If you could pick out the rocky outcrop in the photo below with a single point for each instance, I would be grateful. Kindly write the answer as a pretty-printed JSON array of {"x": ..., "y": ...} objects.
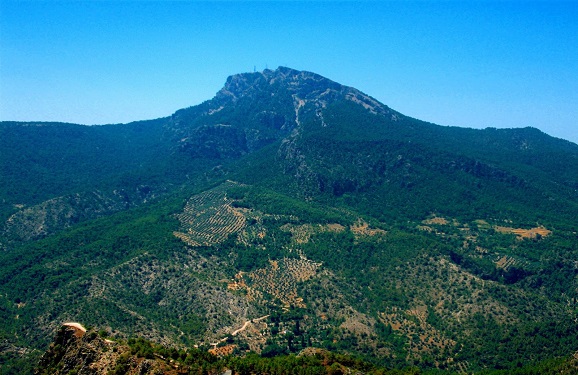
[
  {"x": 73, "y": 349},
  {"x": 78, "y": 351},
  {"x": 253, "y": 110}
]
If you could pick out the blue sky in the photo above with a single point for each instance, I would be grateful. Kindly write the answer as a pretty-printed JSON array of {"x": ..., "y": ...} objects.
[{"x": 460, "y": 63}]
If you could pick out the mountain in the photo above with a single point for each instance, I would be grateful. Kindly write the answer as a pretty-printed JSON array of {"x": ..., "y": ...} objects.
[{"x": 292, "y": 212}]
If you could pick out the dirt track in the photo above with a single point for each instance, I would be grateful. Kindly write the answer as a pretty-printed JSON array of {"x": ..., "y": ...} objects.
[{"x": 244, "y": 327}]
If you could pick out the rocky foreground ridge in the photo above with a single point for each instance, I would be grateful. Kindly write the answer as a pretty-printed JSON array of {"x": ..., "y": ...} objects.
[
  {"x": 78, "y": 351},
  {"x": 74, "y": 350}
]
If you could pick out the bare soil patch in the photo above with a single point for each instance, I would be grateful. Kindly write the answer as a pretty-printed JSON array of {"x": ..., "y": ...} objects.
[{"x": 531, "y": 233}]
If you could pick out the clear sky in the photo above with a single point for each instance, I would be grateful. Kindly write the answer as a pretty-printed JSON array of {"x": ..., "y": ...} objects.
[{"x": 462, "y": 63}]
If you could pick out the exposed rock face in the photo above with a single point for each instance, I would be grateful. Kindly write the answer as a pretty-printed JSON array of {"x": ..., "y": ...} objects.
[
  {"x": 76, "y": 351},
  {"x": 302, "y": 85},
  {"x": 253, "y": 110}
]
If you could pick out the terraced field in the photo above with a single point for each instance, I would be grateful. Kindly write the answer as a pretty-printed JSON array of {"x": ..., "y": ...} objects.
[
  {"x": 302, "y": 233},
  {"x": 537, "y": 232},
  {"x": 362, "y": 229},
  {"x": 423, "y": 338},
  {"x": 482, "y": 240},
  {"x": 209, "y": 218},
  {"x": 279, "y": 279}
]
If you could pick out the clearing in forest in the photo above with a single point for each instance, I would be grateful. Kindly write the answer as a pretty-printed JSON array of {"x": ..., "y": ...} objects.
[
  {"x": 537, "y": 232},
  {"x": 362, "y": 228}
]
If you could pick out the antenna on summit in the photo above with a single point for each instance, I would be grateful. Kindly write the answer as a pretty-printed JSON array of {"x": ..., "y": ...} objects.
[{"x": 254, "y": 68}]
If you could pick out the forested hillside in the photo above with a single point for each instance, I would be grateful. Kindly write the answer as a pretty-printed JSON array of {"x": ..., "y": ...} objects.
[{"x": 287, "y": 213}]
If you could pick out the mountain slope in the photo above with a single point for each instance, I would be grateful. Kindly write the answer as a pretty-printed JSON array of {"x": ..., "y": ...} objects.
[
  {"x": 290, "y": 212},
  {"x": 310, "y": 116}
]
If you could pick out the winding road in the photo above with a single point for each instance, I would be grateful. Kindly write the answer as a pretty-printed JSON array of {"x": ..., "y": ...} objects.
[{"x": 244, "y": 327}]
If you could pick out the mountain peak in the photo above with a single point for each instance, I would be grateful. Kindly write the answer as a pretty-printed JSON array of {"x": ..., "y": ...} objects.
[
  {"x": 302, "y": 86},
  {"x": 299, "y": 82},
  {"x": 286, "y": 74}
]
